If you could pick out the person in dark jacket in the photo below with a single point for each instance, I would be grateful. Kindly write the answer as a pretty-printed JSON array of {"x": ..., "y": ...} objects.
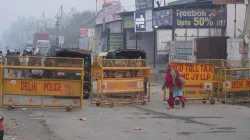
[{"x": 1, "y": 128}]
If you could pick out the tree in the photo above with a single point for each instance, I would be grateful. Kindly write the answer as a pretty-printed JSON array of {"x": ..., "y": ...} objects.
[
  {"x": 19, "y": 31},
  {"x": 76, "y": 20}
]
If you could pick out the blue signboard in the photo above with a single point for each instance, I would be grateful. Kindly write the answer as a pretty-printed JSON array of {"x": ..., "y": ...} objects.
[
  {"x": 162, "y": 18},
  {"x": 143, "y": 4},
  {"x": 140, "y": 21},
  {"x": 200, "y": 18}
]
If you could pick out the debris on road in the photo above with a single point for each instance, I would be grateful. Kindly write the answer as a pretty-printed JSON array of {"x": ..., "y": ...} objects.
[
  {"x": 137, "y": 129},
  {"x": 9, "y": 138},
  {"x": 83, "y": 119}
]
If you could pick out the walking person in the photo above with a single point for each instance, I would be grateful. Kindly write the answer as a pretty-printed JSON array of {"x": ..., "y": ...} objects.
[
  {"x": 174, "y": 82},
  {"x": 1, "y": 128}
]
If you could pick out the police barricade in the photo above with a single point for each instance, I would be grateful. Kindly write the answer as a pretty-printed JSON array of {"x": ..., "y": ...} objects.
[
  {"x": 236, "y": 81},
  {"x": 37, "y": 82},
  {"x": 200, "y": 81},
  {"x": 120, "y": 81}
]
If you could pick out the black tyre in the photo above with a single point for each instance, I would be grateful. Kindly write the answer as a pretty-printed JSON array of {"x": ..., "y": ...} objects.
[
  {"x": 86, "y": 96},
  {"x": 212, "y": 101},
  {"x": 111, "y": 105}
]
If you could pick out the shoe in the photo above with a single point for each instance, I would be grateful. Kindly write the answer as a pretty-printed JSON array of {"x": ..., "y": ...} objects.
[{"x": 183, "y": 104}]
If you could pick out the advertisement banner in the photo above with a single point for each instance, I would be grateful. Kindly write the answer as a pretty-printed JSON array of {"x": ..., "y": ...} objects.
[
  {"x": 109, "y": 12},
  {"x": 143, "y": 21},
  {"x": 162, "y": 18},
  {"x": 140, "y": 21},
  {"x": 200, "y": 18},
  {"x": 143, "y": 4},
  {"x": 181, "y": 51}
]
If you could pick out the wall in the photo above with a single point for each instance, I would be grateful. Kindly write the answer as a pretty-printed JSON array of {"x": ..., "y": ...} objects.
[
  {"x": 180, "y": 34},
  {"x": 240, "y": 18},
  {"x": 145, "y": 42}
]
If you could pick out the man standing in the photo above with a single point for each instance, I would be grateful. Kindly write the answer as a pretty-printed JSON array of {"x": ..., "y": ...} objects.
[{"x": 173, "y": 83}]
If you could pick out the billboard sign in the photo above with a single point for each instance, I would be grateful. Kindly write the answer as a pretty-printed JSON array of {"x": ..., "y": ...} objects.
[
  {"x": 140, "y": 21},
  {"x": 181, "y": 51},
  {"x": 109, "y": 11},
  {"x": 143, "y": 21},
  {"x": 200, "y": 18},
  {"x": 162, "y": 18},
  {"x": 143, "y": 4},
  {"x": 228, "y": 1}
]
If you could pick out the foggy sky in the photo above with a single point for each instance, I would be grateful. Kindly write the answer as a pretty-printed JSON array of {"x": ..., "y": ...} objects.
[{"x": 11, "y": 9}]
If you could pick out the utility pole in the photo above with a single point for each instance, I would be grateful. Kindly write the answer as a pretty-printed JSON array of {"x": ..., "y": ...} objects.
[
  {"x": 235, "y": 12},
  {"x": 61, "y": 26},
  {"x": 43, "y": 22},
  {"x": 37, "y": 26},
  {"x": 247, "y": 24},
  {"x": 103, "y": 27},
  {"x": 96, "y": 5},
  {"x": 247, "y": 28}
]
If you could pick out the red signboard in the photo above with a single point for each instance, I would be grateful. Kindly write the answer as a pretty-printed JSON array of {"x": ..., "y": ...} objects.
[
  {"x": 228, "y": 1},
  {"x": 84, "y": 32}
]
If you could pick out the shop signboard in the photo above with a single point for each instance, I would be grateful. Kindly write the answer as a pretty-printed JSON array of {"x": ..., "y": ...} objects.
[
  {"x": 162, "y": 18},
  {"x": 181, "y": 51},
  {"x": 228, "y": 1},
  {"x": 115, "y": 41},
  {"x": 143, "y": 4},
  {"x": 200, "y": 18}
]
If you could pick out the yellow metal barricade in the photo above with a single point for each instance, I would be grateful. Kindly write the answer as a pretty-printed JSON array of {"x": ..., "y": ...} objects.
[
  {"x": 236, "y": 81},
  {"x": 120, "y": 81},
  {"x": 202, "y": 78},
  {"x": 38, "y": 82}
]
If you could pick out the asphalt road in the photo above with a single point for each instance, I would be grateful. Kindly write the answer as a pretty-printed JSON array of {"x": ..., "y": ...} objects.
[{"x": 131, "y": 122}]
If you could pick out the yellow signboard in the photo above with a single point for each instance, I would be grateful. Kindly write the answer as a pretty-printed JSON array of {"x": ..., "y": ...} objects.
[
  {"x": 195, "y": 72},
  {"x": 199, "y": 79},
  {"x": 121, "y": 86},
  {"x": 42, "y": 87},
  {"x": 238, "y": 85}
]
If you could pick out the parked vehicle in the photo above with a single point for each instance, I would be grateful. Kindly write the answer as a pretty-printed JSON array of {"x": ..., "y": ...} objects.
[
  {"x": 41, "y": 43},
  {"x": 86, "y": 55}
]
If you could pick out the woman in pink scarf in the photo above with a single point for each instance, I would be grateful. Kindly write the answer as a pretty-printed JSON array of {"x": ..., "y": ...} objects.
[{"x": 174, "y": 82}]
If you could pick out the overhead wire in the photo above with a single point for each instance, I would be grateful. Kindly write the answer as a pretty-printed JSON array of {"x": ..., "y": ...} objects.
[{"x": 93, "y": 18}]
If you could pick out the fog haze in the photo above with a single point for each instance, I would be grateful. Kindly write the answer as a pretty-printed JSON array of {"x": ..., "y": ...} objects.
[{"x": 11, "y": 9}]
